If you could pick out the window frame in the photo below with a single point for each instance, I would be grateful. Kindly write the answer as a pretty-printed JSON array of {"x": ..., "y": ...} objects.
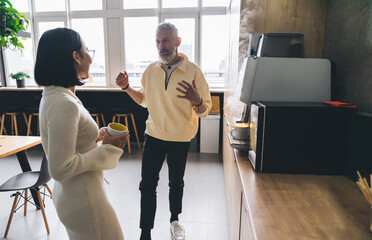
[
  {"x": 197, "y": 38},
  {"x": 113, "y": 15}
]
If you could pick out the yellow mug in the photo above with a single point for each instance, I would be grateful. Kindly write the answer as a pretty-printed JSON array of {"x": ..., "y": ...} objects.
[{"x": 115, "y": 129}]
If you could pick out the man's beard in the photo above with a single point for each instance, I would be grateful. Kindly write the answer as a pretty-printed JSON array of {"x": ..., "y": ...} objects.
[{"x": 168, "y": 58}]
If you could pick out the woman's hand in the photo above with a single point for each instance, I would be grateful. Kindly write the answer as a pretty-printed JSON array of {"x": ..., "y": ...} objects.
[
  {"x": 122, "y": 79},
  {"x": 117, "y": 141}
]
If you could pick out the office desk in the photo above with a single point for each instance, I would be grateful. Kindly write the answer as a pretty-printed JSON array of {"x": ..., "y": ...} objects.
[{"x": 10, "y": 145}]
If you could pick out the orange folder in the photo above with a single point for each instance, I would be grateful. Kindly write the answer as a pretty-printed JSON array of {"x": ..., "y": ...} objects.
[{"x": 340, "y": 104}]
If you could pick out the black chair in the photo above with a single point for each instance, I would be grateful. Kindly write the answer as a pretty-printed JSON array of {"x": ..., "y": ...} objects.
[{"x": 32, "y": 180}]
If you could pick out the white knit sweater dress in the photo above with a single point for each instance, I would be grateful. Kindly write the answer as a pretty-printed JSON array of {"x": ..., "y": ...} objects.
[{"x": 68, "y": 135}]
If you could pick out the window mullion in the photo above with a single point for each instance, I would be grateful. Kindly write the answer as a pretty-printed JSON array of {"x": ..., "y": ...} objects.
[
  {"x": 68, "y": 11},
  {"x": 107, "y": 57},
  {"x": 198, "y": 39},
  {"x": 113, "y": 16}
]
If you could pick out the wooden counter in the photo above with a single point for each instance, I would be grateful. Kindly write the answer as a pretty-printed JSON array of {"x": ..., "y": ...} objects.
[
  {"x": 88, "y": 89},
  {"x": 281, "y": 206}
]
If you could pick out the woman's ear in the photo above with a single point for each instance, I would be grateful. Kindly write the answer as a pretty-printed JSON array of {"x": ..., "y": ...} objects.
[{"x": 76, "y": 56}]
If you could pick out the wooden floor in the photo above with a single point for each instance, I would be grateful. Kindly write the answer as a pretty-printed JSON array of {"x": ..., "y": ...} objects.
[{"x": 204, "y": 207}]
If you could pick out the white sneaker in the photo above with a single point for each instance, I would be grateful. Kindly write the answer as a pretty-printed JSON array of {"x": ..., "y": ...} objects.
[{"x": 177, "y": 231}]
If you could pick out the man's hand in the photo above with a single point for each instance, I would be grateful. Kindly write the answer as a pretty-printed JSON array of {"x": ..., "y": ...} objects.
[
  {"x": 190, "y": 92},
  {"x": 122, "y": 79}
]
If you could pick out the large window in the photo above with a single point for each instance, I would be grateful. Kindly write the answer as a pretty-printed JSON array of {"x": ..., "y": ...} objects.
[
  {"x": 186, "y": 30},
  {"x": 93, "y": 40},
  {"x": 140, "y": 4},
  {"x": 49, "y": 6},
  {"x": 17, "y": 61},
  {"x": 83, "y": 5},
  {"x": 122, "y": 35},
  {"x": 214, "y": 35},
  {"x": 45, "y": 26},
  {"x": 139, "y": 57},
  {"x": 179, "y": 3}
]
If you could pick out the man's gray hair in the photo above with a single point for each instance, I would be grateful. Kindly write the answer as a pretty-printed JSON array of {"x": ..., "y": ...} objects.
[{"x": 167, "y": 26}]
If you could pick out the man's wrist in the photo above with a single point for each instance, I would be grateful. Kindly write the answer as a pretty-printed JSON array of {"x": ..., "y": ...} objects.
[
  {"x": 125, "y": 88},
  {"x": 201, "y": 102}
]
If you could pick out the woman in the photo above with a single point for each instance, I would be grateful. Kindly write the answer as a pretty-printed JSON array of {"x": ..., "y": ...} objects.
[{"x": 68, "y": 136}]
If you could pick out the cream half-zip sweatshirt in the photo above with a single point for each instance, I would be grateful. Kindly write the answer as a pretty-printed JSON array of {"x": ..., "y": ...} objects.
[{"x": 172, "y": 118}]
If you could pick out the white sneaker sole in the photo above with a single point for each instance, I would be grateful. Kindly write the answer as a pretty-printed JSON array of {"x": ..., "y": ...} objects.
[{"x": 171, "y": 236}]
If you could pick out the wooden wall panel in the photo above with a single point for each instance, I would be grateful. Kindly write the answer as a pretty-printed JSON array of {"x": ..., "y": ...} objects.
[{"x": 288, "y": 16}]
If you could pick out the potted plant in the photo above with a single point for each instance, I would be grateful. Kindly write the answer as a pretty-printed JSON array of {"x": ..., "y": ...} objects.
[
  {"x": 11, "y": 23},
  {"x": 20, "y": 78}
]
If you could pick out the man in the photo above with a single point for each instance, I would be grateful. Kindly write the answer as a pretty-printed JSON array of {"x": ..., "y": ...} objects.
[{"x": 175, "y": 93}]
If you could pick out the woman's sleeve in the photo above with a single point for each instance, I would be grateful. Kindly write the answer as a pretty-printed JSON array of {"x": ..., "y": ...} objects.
[{"x": 64, "y": 162}]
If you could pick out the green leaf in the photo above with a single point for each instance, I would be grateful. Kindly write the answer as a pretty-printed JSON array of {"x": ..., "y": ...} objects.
[
  {"x": 9, "y": 3},
  {"x": 20, "y": 45},
  {"x": 10, "y": 26},
  {"x": 19, "y": 75},
  {"x": 11, "y": 22},
  {"x": 10, "y": 9},
  {"x": 14, "y": 41}
]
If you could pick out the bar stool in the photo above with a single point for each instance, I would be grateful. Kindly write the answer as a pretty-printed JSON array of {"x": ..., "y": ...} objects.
[
  {"x": 126, "y": 115},
  {"x": 1, "y": 124},
  {"x": 34, "y": 114},
  {"x": 93, "y": 103},
  {"x": 30, "y": 103},
  {"x": 13, "y": 120},
  {"x": 96, "y": 115}
]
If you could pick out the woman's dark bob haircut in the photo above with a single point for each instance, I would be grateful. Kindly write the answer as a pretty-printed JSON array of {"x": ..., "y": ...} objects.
[{"x": 54, "y": 62}]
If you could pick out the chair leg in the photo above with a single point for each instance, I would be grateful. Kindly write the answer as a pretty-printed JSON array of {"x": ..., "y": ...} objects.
[
  {"x": 15, "y": 124},
  {"x": 25, "y": 204},
  {"x": 29, "y": 125},
  {"x": 48, "y": 188},
  {"x": 11, "y": 214},
  {"x": 103, "y": 120},
  {"x": 11, "y": 124},
  {"x": 38, "y": 126},
  {"x": 97, "y": 120},
  {"x": 2, "y": 124},
  {"x": 43, "y": 211},
  {"x": 25, "y": 117},
  {"x": 128, "y": 143},
  {"x": 113, "y": 118},
  {"x": 135, "y": 130}
]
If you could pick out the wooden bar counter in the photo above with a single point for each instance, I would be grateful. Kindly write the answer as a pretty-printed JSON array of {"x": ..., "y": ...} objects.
[
  {"x": 106, "y": 100},
  {"x": 89, "y": 89},
  {"x": 266, "y": 206}
]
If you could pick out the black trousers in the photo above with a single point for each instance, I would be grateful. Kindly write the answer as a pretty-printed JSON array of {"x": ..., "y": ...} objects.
[{"x": 153, "y": 155}]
